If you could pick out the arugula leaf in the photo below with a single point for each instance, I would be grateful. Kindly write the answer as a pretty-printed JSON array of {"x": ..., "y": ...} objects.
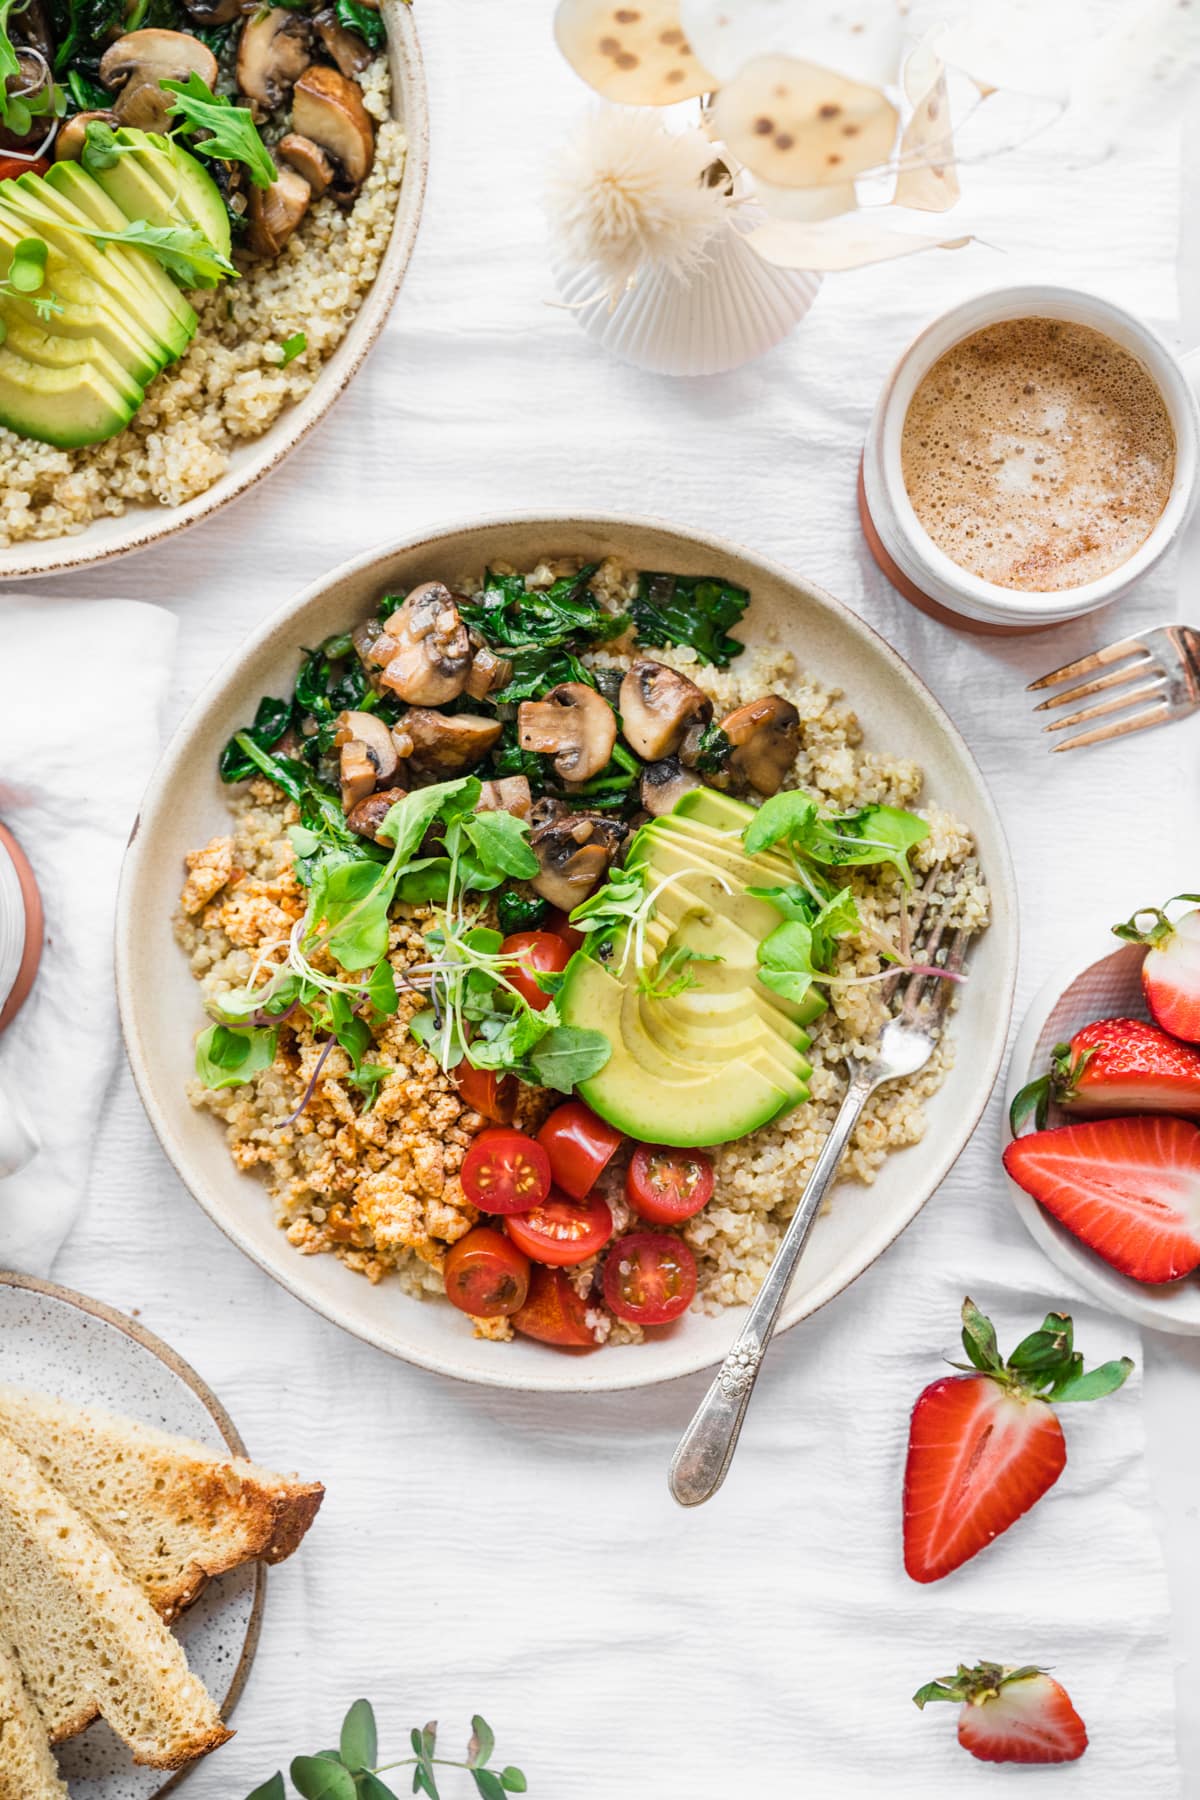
[
  {"x": 232, "y": 134},
  {"x": 690, "y": 609},
  {"x": 502, "y": 841},
  {"x": 227, "y": 1058},
  {"x": 360, "y": 19},
  {"x": 183, "y": 250}
]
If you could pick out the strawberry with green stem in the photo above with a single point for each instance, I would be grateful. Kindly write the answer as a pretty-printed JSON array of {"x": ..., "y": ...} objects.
[
  {"x": 1171, "y": 971},
  {"x": 1009, "y": 1714},
  {"x": 1111, "y": 1066},
  {"x": 985, "y": 1445}
]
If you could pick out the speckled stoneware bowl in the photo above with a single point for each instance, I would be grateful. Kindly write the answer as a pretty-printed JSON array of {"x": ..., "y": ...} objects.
[
  {"x": 141, "y": 526},
  {"x": 1105, "y": 983},
  {"x": 61, "y": 1343},
  {"x": 186, "y": 805}
]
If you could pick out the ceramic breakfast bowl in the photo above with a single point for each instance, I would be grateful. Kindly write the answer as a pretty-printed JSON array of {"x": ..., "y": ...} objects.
[
  {"x": 251, "y": 460},
  {"x": 186, "y": 805},
  {"x": 1105, "y": 983}
]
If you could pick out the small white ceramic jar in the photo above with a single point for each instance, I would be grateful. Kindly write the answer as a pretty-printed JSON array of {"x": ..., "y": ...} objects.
[
  {"x": 902, "y": 546},
  {"x": 21, "y": 927}
]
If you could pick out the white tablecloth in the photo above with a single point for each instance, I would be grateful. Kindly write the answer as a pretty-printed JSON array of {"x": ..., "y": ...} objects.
[{"x": 522, "y": 1558}]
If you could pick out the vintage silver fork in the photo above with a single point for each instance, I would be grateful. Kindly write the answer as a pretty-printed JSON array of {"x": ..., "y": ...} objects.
[
  {"x": 906, "y": 1043},
  {"x": 1158, "y": 677}
]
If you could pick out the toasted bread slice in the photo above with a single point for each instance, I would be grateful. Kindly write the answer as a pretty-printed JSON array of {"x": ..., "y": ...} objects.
[
  {"x": 174, "y": 1512},
  {"x": 27, "y": 1770},
  {"x": 87, "y": 1639}
]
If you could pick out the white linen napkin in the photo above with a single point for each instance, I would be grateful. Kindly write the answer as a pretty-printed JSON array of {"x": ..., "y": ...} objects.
[{"x": 81, "y": 688}]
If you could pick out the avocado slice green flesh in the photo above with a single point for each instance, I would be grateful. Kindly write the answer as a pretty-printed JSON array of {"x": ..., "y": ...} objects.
[
  {"x": 88, "y": 310},
  {"x": 67, "y": 407},
  {"x": 160, "y": 182},
  {"x": 130, "y": 278},
  {"x": 41, "y": 346},
  {"x": 79, "y": 200},
  {"x": 655, "y": 1097},
  {"x": 711, "y": 807}
]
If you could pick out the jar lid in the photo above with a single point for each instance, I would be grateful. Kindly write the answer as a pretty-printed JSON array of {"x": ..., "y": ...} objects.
[{"x": 21, "y": 927}]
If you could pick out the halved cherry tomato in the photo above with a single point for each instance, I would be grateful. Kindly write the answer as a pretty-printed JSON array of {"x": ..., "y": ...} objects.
[
  {"x": 12, "y": 166},
  {"x": 505, "y": 1171},
  {"x": 495, "y": 1096},
  {"x": 560, "y": 924},
  {"x": 649, "y": 1278},
  {"x": 485, "y": 1275},
  {"x": 666, "y": 1186},
  {"x": 540, "y": 950},
  {"x": 579, "y": 1146},
  {"x": 561, "y": 1231},
  {"x": 554, "y": 1312}
]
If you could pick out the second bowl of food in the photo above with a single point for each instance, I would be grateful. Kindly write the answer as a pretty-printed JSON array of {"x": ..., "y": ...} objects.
[
  {"x": 496, "y": 926},
  {"x": 205, "y": 215}
]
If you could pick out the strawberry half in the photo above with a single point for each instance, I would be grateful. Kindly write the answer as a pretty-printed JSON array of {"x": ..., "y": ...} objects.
[
  {"x": 1171, "y": 971},
  {"x": 1114, "y": 1065},
  {"x": 1011, "y": 1715},
  {"x": 985, "y": 1445},
  {"x": 1127, "y": 1188}
]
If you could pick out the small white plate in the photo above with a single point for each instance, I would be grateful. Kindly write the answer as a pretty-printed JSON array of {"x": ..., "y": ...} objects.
[
  {"x": 1102, "y": 987},
  {"x": 61, "y": 1343}
]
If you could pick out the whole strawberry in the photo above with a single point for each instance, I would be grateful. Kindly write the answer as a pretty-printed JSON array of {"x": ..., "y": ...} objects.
[
  {"x": 1114, "y": 1066},
  {"x": 985, "y": 1445},
  {"x": 1011, "y": 1715},
  {"x": 1171, "y": 971}
]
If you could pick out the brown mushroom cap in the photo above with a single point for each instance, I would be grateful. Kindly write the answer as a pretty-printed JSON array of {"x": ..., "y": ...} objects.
[
  {"x": 510, "y": 794},
  {"x": 663, "y": 783},
  {"x": 274, "y": 212},
  {"x": 351, "y": 53},
  {"x": 765, "y": 737},
  {"x": 369, "y": 730},
  {"x": 72, "y": 133},
  {"x": 575, "y": 724},
  {"x": 357, "y": 772},
  {"x": 574, "y": 851},
  {"x": 366, "y": 816},
  {"x": 274, "y": 50},
  {"x": 308, "y": 159},
  {"x": 657, "y": 705},
  {"x": 427, "y": 650},
  {"x": 213, "y": 12},
  {"x": 444, "y": 743},
  {"x": 135, "y": 64},
  {"x": 328, "y": 108}
]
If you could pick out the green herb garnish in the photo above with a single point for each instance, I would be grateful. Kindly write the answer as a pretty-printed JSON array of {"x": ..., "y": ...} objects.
[
  {"x": 362, "y": 20},
  {"x": 354, "y": 1770},
  {"x": 688, "y": 609},
  {"x": 231, "y": 134},
  {"x": 509, "y": 616},
  {"x": 293, "y": 347},
  {"x": 26, "y": 277}
]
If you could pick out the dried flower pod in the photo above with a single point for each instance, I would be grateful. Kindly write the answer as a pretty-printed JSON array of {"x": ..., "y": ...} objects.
[
  {"x": 636, "y": 54},
  {"x": 928, "y": 179},
  {"x": 798, "y": 125}
]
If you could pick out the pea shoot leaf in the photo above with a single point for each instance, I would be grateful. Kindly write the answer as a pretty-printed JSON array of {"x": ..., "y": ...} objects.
[
  {"x": 231, "y": 134},
  {"x": 876, "y": 834},
  {"x": 567, "y": 1055},
  {"x": 228, "y": 1058}
]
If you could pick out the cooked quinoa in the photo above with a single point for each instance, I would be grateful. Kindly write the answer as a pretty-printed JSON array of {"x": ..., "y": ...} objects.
[
  {"x": 380, "y": 1189},
  {"x": 230, "y": 385}
]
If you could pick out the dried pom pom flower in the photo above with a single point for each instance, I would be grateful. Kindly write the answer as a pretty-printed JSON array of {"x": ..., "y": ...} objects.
[{"x": 629, "y": 196}]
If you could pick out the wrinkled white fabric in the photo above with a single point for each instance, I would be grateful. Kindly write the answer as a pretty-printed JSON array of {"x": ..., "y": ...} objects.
[
  {"x": 81, "y": 693},
  {"x": 520, "y": 1556}
]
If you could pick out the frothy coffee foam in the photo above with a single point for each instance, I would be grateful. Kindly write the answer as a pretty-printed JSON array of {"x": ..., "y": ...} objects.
[{"x": 1038, "y": 454}]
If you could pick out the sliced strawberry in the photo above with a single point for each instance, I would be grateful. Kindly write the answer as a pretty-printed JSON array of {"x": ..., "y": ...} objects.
[
  {"x": 1011, "y": 1715},
  {"x": 1114, "y": 1065},
  {"x": 1171, "y": 971},
  {"x": 985, "y": 1445},
  {"x": 1127, "y": 1188}
]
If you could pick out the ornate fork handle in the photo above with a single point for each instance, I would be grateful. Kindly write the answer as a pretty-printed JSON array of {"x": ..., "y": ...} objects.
[{"x": 706, "y": 1449}]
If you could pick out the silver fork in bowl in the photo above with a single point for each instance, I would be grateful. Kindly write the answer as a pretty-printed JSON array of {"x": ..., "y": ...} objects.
[
  {"x": 906, "y": 1043},
  {"x": 1158, "y": 676}
]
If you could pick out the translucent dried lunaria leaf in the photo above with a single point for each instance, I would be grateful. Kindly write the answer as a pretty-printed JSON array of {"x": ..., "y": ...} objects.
[
  {"x": 839, "y": 244},
  {"x": 636, "y": 54},
  {"x": 806, "y": 204},
  {"x": 800, "y": 126},
  {"x": 860, "y": 39},
  {"x": 928, "y": 179}
]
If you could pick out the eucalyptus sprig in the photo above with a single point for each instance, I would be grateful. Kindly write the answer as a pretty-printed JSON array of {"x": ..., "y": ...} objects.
[{"x": 353, "y": 1770}]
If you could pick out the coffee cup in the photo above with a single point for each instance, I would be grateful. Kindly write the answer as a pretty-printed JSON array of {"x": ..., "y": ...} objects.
[{"x": 905, "y": 547}]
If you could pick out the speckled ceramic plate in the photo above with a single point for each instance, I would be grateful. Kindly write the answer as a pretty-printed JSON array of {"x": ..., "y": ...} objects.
[
  {"x": 251, "y": 460},
  {"x": 1106, "y": 985},
  {"x": 62, "y": 1343},
  {"x": 186, "y": 804}
]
